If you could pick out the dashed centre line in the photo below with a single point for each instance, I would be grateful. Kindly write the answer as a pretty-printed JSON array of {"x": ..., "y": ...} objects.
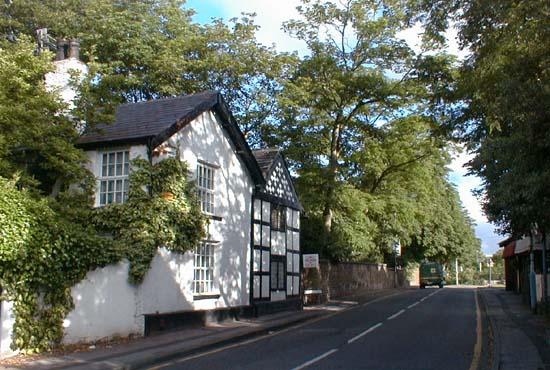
[
  {"x": 318, "y": 358},
  {"x": 396, "y": 314},
  {"x": 414, "y": 304},
  {"x": 372, "y": 328}
]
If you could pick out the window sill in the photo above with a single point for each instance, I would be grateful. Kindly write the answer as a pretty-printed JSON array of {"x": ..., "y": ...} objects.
[
  {"x": 213, "y": 217},
  {"x": 198, "y": 297}
]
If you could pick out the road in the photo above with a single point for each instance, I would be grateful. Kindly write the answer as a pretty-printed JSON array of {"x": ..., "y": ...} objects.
[{"x": 418, "y": 329}]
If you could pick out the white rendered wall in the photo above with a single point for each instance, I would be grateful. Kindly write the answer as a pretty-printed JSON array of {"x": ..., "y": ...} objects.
[
  {"x": 107, "y": 305},
  {"x": 7, "y": 320},
  {"x": 59, "y": 81},
  {"x": 204, "y": 139}
]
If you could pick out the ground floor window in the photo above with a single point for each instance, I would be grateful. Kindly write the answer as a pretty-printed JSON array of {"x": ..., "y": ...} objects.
[
  {"x": 204, "y": 268},
  {"x": 278, "y": 273}
]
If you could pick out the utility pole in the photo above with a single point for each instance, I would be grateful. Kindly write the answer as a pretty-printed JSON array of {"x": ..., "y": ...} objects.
[
  {"x": 532, "y": 276},
  {"x": 544, "y": 272},
  {"x": 456, "y": 271},
  {"x": 490, "y": 268}
]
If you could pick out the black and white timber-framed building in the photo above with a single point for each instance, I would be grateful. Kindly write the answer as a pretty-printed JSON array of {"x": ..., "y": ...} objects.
[{"x": 275, "y": 236}]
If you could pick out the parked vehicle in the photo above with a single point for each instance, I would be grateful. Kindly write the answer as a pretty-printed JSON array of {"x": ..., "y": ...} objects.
[{"x": 431, "y": 273}]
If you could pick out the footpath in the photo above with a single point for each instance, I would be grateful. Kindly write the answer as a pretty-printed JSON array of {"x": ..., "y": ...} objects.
[
  {"x": 148, "y": 351},
  {"x": 520, "y": 339}
]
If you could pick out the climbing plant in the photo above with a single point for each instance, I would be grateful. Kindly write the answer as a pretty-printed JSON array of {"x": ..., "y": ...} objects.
[
  {"x": 47, "y": 246},
  {"x": 161, "y": 210}
]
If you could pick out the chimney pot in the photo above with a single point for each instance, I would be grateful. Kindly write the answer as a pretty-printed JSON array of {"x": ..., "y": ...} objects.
[
  {"x": 61, "y": 46},
  {"x": 74, "y": 49}
]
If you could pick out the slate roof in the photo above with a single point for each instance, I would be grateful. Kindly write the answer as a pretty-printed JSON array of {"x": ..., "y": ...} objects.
[
  {"x": 153, "y": 122},
  {"x": 265, "y": 158},
  {"x": 145, "y": 120}
]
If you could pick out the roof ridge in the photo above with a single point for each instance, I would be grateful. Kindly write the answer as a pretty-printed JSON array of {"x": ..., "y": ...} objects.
[
  {"x": 275, "y": 149},
  {"x": 168, "y": 98}
]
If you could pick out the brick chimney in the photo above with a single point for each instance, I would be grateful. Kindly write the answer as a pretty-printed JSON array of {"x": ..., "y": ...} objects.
[
  {"x": 74, "y": 48},
  {"x": 61, "y": 49}
]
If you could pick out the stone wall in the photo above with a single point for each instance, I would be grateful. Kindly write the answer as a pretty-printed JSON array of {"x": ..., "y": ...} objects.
[{"x": 348, "y": 278}]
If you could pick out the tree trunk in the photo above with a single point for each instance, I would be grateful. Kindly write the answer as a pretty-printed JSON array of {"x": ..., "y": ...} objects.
[{"x": 332, "y": 175}]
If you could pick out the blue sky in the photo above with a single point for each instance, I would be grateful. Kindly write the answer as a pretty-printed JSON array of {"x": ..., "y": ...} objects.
[{"x": 271, "y": 14}]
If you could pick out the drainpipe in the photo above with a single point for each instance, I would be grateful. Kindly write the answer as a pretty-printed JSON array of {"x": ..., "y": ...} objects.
[{"x": 456, "y": 270}]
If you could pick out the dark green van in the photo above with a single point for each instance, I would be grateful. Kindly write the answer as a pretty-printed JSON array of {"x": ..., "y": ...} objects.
[{"x": 431, "y": 273}]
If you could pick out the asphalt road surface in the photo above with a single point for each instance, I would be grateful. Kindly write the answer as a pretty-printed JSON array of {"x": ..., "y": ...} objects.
[{"x": 419, "y": 329}]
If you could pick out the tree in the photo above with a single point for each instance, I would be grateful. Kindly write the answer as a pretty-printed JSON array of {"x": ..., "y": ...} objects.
[
  {"x": 366, "y": 111},
  {"x": 151, "y": 49},
  {"x": 36, "y": 141},
  {"x": 504, "y": 94},
  {"x": 342, "y": 89}
]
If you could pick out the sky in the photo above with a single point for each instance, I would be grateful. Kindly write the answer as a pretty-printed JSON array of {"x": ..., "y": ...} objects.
[{"x": 271, "y": 14}]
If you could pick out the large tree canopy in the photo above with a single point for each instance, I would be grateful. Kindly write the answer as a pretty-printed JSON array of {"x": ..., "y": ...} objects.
[
  {"x": 360, "y": 121},
  {"x": 36, "y": 142},
  {"x": 505, "y": 104},
  {"x": 151, "y": 49},
  {"x": 359, "y": 116}
]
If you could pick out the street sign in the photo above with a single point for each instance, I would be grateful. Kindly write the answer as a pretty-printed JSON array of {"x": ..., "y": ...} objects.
[
  {"x": 397, "y": 248},
  {"x": 311, "y": 260}
]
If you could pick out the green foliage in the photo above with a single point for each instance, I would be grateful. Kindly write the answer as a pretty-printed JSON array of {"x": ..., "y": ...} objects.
[
  {"x": 50, "y": 245},
  {"x": 35, "y": 140},
  {"x": 150, "y": 49},
  {"x": 43, "y": 253},
  {"x": 504, "y": 96},
  {"x": 368, "y": 114},
  {"x": 147, "y": 220}
]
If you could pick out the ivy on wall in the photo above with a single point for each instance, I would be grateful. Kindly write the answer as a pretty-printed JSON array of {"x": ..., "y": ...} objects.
[
  {"x": 47, "y": 246},
  {"x": 162, "y": 209}
]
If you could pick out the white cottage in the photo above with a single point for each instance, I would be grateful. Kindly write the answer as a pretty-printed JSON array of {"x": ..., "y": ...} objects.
[{"x": 250, "y": 261}]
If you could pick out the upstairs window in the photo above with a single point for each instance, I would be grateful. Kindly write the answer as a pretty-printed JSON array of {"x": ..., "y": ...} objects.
[
  {"x": 205, "y": 187},
  {"x": 113, "y": 180},
  {"x": 278, "y": 217}
]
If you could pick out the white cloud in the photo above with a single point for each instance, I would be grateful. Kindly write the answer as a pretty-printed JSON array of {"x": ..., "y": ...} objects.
[
  {"x": 465, "y": 185},
  {"x": 270, "y": 16},
  {"x": 489, "y": 238},
  {"x": 413, "y": 37}
]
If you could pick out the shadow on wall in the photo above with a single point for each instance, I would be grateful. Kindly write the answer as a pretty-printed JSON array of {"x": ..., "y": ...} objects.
[
  {"x": 106, "y": 305},
  {"x": 206, "y": 140}
]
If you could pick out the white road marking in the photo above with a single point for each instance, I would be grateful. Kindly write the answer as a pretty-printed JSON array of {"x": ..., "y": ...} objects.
[
  {"x": 379, "y": 299},
  {"x": 479, "y": 330},
  {"x": 318, "y": 358},
  {"x": 372, "y": 328},
  {"x": 423, "y": 299},
  {"x": 414, "y": 304},
  {"x": 395, "y": 315}
]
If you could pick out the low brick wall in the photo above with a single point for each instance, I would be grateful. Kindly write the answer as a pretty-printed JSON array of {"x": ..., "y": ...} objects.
[{"x": 348, "y": 278}]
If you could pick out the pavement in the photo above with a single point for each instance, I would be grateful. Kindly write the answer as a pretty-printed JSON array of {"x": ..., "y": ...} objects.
[{"x": 518, "y": 339}]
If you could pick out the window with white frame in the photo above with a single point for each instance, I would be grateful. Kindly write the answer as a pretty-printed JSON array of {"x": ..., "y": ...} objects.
[
  {"x": 113, "y": 179},
  {"x": 204, "y": 268},
  {"x": 205, "y": 187}
]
